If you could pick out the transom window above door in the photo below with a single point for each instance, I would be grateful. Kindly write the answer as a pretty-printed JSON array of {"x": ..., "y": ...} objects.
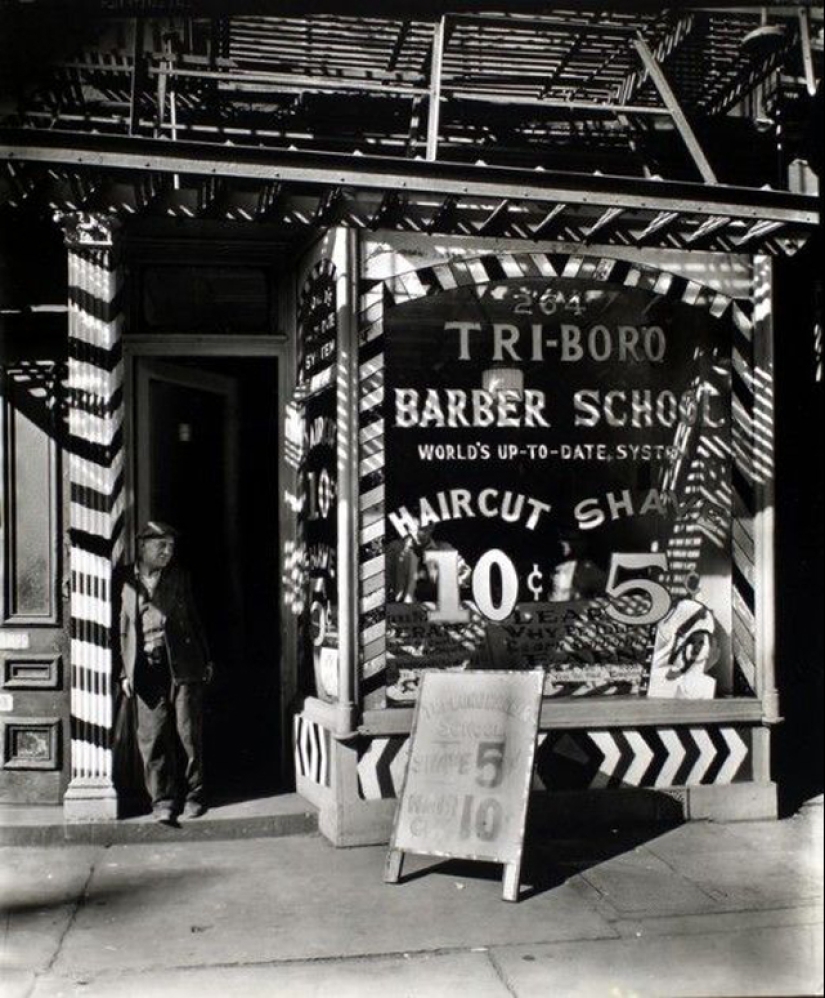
[{"x": 206, "y": 299}]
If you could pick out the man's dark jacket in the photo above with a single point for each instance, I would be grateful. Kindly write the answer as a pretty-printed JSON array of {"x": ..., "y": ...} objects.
[{"x": 185, "y": 641}]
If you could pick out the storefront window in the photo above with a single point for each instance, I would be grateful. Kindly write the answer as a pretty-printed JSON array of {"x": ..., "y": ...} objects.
[
  {"x": 558, "y": 488},
  {"x": 318, "y": 481}
]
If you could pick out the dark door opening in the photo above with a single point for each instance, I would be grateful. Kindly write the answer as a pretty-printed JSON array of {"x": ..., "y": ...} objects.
[{"x": 208, "y": 463}]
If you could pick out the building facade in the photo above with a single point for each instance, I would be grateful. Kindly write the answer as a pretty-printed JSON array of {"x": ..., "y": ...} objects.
[{"x": 448, "y": 343}]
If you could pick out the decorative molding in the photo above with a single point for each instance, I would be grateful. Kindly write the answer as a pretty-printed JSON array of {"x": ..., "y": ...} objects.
[
  {"x": 40, "y": 750},
  {"x": 31, "y": 671},
  {"x": 83, "y": 230}
]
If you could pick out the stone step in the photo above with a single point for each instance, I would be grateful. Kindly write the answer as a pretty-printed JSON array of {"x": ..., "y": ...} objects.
[{"x": 265, "y": 817}]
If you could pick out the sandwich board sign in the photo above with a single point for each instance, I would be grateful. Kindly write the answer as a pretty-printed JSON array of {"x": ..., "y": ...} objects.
[{"x": 469, "y": 771}]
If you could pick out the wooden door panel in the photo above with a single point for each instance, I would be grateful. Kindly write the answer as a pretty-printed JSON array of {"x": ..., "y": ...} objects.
[{"x": 34, "y": 681}]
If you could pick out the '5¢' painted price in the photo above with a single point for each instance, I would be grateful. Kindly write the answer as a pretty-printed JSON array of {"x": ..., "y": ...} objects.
[{"x": 449, "y": 610}]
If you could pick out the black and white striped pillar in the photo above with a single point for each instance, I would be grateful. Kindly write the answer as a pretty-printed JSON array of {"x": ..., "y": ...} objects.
[{"x": 95, "y": 445}]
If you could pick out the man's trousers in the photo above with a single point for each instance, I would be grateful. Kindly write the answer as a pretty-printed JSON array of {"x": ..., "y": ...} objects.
[{"x": 170, "y": 724}]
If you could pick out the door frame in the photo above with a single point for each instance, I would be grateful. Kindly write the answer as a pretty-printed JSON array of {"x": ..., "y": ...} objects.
[{"x": 279, "y": 348}]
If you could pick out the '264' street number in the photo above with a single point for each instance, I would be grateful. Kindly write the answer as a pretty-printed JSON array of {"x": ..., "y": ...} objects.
[{"x": 627, "y": 578}]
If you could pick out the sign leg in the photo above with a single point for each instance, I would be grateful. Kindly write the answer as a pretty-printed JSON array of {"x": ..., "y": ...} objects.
[
  {"x": 392, "y": 866},
  {"x": 512, "y": 876}
]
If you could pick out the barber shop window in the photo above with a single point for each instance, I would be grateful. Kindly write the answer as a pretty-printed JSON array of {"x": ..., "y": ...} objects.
[{"x": 208, "y": 300}]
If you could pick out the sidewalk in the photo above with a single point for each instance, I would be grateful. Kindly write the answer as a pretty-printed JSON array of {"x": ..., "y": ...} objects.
[
  {"x": 264, "y": 817},
  {"x": 702, "y": 909}
]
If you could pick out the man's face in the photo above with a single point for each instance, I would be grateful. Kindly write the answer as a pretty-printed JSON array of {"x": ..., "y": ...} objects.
[
  {"x": 423, "y": 535},
  {"x": 156, "y": 552}
]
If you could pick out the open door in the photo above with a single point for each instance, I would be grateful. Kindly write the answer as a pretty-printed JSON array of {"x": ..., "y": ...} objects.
[{"x": 207, "y": 463}]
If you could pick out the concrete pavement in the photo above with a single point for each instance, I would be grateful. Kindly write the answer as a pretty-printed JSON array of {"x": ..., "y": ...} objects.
[{"x": 701, "y": 909}]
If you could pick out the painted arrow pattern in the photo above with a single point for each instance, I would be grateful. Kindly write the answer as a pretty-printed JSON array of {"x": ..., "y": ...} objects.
[
  {"x": 381, "y": 765},
  {"x": 313, "y": 749},
  {"x": 675, "y": 754},
  {"x": 738, "y": 752},
  {"x": 645, "y": 757},
  {"x": 574, "y": 760}
]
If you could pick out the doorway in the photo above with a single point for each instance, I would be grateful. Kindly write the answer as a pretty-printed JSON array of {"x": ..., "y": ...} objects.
[{"x": 207, "y": 433}]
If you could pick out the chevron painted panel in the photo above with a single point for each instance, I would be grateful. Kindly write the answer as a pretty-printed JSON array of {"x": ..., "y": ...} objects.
[
  {"x": 576, "y": 760},
  {"x": 313, "y": 751},
  {"x": 645, "y": 757}
]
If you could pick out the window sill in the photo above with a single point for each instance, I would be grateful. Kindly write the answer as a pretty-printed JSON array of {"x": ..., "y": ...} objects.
[{"x": 604, "y": 712}]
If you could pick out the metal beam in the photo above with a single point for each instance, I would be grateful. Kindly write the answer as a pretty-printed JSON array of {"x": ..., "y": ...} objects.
[
  {"x": 439, "y": 33},
  {"x": 549, "y": 222},
  {"x": 757, "y": 231},
  {"x": 288, "y": 81},
  {"x": 665, "y": 47},
  {"x": 329, "y": 207},
  {"x": 551, "y": 103},
  {"x": 415, "y": 124},
  {"x": 605, "y": 221},
  {"x": 270, "y": 201},
  {"x": 398, "y": 45},
  {"x": 444, "y": 217},
  {"x": 138, "y": 71},
  {"x": 493, "y": 222},
  {"x": 514, "y": 23},
  {"x": 709, "y": 227},
  {"x": 151, "y": 188},
  {"x": 660, "y": 222},
  {"x": 210, "y": 192},
  {"x": 807, "y": 56},
  {"x": 407, "y": 176},
  {"x": 388, "y": 212},
  {"x": 688, "y": 136}
]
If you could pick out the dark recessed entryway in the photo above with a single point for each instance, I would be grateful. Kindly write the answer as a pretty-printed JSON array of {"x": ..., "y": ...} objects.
[{"x": 208, "y": 463}]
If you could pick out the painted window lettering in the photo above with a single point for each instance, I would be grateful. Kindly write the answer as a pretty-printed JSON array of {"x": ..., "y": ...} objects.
[
  {"x": 448, "y": 607},
  {"x": 659, "y": 597},
  {"x": 567, "y": 342},
  {"x": 454, "y": 408},
  {"x": 644, "y": 409}
]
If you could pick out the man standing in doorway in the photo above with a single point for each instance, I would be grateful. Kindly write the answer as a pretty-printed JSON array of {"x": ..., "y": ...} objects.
[{"x": 165, "y": 666}]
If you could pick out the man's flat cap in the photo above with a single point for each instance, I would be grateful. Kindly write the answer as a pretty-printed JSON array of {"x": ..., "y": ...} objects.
[{"x": 156, "y": 528}]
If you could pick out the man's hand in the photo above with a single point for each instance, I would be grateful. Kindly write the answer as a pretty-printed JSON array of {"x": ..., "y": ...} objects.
[
  {"x": 210, "y": 672},
  {"x": 126, "y": 686}
]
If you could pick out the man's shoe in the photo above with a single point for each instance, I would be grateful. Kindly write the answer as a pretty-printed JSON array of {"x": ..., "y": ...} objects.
[
  {"x": 193, "y": 809},
  {"x": 164, "y": 816}
]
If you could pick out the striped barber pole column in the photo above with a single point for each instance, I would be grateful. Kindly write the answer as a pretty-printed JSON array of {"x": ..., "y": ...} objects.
[
  {"x": 95, "y": 391},
  {"x": 371, "y": 462},
  {"x": 744, "y": 506}
]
